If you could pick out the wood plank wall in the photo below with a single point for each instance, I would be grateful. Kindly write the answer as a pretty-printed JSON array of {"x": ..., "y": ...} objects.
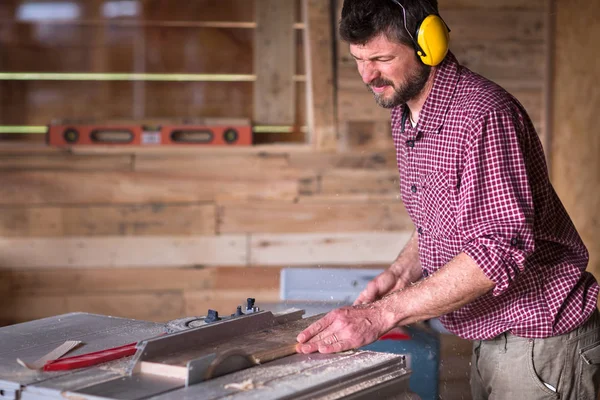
[
  {"x": 158, "y": 235},
  {"x": 125, "y": 232},
  {"x": 575, "y": 140}
]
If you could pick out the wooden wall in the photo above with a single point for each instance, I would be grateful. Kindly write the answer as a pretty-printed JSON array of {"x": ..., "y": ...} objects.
[
  {"x": 157, "y": 234},
  {"x": 576, "y": 100}
]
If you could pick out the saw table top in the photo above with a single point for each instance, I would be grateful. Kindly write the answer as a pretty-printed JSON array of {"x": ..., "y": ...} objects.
[{"x": 301, "y": 376}]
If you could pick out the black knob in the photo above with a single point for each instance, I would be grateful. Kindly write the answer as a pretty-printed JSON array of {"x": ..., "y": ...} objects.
[
  {"x": 212, "y": 316},
  {"x": 250, "y": 303},
  {"x": 238, "y": 312}
]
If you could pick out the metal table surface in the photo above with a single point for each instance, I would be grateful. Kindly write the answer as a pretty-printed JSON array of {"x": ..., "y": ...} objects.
[{"x": 350, "y": 375}]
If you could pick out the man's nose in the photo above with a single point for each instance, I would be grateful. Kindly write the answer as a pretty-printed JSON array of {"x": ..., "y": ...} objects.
[{"x": 368, "y": 72}]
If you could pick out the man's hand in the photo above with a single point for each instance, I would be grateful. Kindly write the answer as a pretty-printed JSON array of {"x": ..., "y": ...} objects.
[
  {"x": 394, "y": 278},
  {"x": 381, "y": 285},
  {"x": 344, "y": 329}
]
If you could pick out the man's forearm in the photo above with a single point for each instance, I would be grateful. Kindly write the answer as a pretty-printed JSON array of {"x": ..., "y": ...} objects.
[{"x": 456, "y": 284}]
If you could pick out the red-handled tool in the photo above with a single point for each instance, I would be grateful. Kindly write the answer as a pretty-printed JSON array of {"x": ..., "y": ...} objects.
[
  {"x": 87, "y": 360},
  {"x": 395, "y": 334}
]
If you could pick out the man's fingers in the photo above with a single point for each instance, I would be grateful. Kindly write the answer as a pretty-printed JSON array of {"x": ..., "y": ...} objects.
[
  {"x": 329, "y": 344},
  {"x": 335, "y": 347},
  {"x": 314, "y": 329},
  {"x": 361, "y": 299},
  {"x": 365, "y": 297}
]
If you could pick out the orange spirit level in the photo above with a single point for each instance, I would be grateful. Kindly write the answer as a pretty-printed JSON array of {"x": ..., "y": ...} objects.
[{"x": 217, "y": 132}]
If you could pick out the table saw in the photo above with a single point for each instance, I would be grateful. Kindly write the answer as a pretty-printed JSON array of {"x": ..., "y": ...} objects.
[{"x": 245, "y": 355}]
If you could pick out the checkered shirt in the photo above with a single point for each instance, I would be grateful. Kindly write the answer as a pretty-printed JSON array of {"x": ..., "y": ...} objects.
[{"x": 474, "y": 180}]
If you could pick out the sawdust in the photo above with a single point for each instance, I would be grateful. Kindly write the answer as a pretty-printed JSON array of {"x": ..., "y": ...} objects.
[{"x": 244, "y": 386}]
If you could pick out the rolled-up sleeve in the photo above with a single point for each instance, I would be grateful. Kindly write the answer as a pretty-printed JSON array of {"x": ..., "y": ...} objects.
[{"x": 495, "y": 211}]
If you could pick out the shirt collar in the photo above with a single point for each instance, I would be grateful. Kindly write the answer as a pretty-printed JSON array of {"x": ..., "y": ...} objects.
[{"x": 436, "y": 105}]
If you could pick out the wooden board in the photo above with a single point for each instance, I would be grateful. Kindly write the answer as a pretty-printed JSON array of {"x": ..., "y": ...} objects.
[
  {"x": 374, "y": 159},
  {"x": 166, "y": 251},
  {"x": 312, "y": 217},
  {"x": 221, "y": 166},
  {"x": 345, "y": 181},
  {"x": 320, "y": 77},
  {"x": 323, "y": 249},
  {"x": 42, "y": 188},
  {"x": 126, "y": 220},
  {"x": 274, "y": 63},
  {"x": 260, "y": 347},
  {"x": 483, "y": 25},
  {"x": 40, "y": 282},
  {"x": 155, "y": 306},
  {"x": 575, "y": 164},
  {"x": 98, "y": 281},
  {"x": 496, "y": 4},
  {"x": 63, "y": 161}
]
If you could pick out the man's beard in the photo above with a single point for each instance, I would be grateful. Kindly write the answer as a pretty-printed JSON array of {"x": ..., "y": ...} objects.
[{"x": 409, "y": 90}]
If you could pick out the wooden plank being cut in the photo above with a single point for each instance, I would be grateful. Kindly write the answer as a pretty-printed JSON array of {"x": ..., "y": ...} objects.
[{"x": 259, "y": 348}]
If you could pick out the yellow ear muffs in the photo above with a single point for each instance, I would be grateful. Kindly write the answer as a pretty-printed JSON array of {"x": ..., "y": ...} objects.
[{"x": 433, "y": 39}]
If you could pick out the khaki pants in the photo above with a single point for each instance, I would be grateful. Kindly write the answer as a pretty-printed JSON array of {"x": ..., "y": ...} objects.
[{"x": 560, "y": 367}]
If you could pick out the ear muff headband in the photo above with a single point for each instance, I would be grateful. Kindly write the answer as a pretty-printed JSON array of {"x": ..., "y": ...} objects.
[{"x": 433, "y": 39}]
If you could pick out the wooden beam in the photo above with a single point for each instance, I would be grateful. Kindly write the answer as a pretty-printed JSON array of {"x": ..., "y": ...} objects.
[
  {"x": 323, "y": 249},
  {"x": 575, "y": 139},
  {"x": 56, "y": 281},
  {"x": 155, "y": 306},
  {"x": 320, "y": 93},
  {"x": 346, "y": 181},
  {"x": 496, "y": 4},
  {"x": 109, "y": 220},
  {"x": 312, "y": 217},
  {"x": 370, "y": 160},
  {"x": 132, "y": 252},
  {"x": 79, "y": 188},
  {"x": 274, "y": 63},
  {"x": 220, "y": 166},
  {"x": 66, "y": 162}
]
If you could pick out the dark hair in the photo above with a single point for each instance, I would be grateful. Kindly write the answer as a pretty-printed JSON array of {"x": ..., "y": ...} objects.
[{"x": 363, "y": 20}]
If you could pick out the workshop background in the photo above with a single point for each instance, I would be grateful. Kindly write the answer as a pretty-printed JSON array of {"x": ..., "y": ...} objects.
[{"x": 161, "y": 232}]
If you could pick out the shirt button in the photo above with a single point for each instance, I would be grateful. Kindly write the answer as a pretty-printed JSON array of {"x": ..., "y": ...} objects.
[
  {"x": 410, "y": 143},
  {"x": 514, "y": 242},
  {"x": 425, "y": 273},
  {"x": 413, "y": 189},
  {"x": 420, "y": 231}
]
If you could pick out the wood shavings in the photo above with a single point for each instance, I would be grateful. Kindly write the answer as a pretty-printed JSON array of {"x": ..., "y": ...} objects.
[{"x": 244, "y": 386}]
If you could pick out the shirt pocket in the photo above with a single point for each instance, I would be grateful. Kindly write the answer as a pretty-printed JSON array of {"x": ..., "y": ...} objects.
[{"x": 438, "y": 204}]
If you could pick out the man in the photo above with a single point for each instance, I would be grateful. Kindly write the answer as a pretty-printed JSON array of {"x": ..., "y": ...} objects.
[{"x": 494, "y": 254}]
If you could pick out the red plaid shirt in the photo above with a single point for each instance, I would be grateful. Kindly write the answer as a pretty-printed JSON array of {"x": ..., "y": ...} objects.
[{"x": 473, "y": 179}]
